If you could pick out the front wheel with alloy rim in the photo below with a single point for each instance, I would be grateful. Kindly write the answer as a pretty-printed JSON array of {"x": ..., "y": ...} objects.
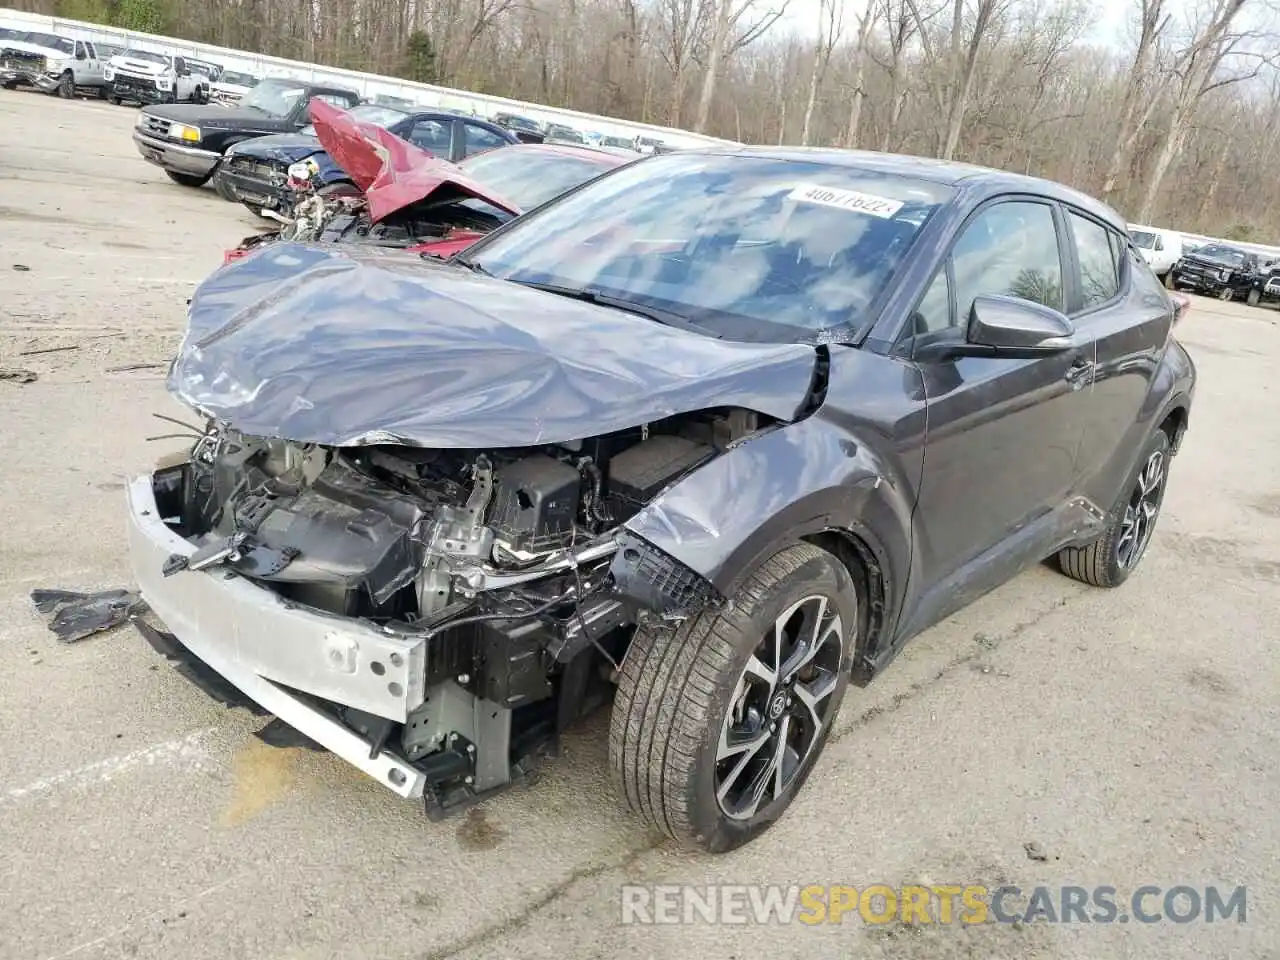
[
  {"x": 1108, "y": 561},
  {"x": 1226, "y": 294},
  {"x": 66, "y": 86},
  {"x": 718, "y": 721}
]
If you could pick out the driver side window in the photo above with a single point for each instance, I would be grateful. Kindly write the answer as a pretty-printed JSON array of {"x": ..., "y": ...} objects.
[{"x": 1010, "y": 248}]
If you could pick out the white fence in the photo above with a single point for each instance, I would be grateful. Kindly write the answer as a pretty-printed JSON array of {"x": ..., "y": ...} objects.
[{"x": 367, "y": 84}]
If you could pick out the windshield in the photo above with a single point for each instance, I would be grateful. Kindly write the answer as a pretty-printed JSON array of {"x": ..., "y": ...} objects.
[
  {"x": 520, "y": 123},
  {"x": 106, "y": 51},
  {"x": 210, "y": 70},
  {"x": 745, "y": 248},
  {"x": 370, "y": 113},
  {"x": 276, "y": 98},
  {"x": 528, "y": 178},
  {"x": 146, "y": 55},
  {"x": 1143, "y": 239},
  {"x": 239, "y": 79},
  {"x": 1225, "y": 254}
]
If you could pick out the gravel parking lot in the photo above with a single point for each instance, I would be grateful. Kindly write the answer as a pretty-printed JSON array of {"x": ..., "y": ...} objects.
[{"x": 1132, "y": 735}]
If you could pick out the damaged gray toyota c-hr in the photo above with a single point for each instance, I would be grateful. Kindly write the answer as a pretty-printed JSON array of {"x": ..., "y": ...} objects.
[{"x": 709, "y": 437}]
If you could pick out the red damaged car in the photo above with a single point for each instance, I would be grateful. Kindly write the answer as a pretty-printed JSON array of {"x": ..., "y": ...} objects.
[{"x": 419, "y": 202}]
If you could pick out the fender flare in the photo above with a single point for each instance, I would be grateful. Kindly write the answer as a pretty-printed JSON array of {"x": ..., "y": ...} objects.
[{"x": 790, "y": 483}]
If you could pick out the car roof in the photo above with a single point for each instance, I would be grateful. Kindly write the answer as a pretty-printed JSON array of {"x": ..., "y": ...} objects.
[
  {"x": 603, "y": 157},
  {"x": 984, "y": 180}
]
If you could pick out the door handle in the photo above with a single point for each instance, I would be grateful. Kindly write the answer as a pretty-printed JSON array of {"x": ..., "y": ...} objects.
[{"x": 1080, "y": 371}]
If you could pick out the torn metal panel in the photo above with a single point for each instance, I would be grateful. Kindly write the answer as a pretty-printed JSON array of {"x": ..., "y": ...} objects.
[
  {"x": 353, "y": 347},
  {"x": 74, "y": 616}
]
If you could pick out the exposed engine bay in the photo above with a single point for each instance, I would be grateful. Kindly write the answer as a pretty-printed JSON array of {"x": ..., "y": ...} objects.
[
  {"x": 338, "y": 218},
  {"x": 329, "y": 218},
  {"x": 510, "y": 562}
]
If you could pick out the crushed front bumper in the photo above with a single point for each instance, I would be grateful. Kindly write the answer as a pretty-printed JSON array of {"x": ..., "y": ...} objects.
[
  {"x": 270, "y": 649},
  {"x": 247, "y": 188},
  {"x": 176, "y": 157}
]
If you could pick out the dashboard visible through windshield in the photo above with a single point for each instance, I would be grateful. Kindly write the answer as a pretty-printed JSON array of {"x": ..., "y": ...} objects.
[{"x": 744, "y": 248}]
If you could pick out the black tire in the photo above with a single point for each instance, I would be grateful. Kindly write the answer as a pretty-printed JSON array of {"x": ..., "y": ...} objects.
[
  {"x": 113, "y": 99},
  {"x": 678, "y": 686},
  {"x": 1168, "y": 281},
  {"x": 67, "y": 86},
  {"x": 188, "y": 179},
  {"x": 1254, "y": 297},
  {"x": 1102, "y": 563},
  {"x": 1226, "y": 294}
]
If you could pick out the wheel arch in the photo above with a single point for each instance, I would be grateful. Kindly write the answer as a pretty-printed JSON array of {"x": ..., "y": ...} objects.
[{"x": 807, "y": 481}]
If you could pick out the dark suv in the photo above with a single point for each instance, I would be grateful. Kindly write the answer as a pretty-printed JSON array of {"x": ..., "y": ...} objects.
[
  {"x": 710, "y": 438},
  {"x": 1218, "y": 270}
]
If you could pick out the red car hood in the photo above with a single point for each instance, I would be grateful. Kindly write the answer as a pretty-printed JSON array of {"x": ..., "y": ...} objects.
[{"x": 393, "y": 173}]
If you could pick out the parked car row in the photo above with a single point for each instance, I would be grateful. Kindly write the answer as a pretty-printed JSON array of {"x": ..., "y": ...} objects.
[
  {"x": 1228, "y": 273},
  {"x": 530, "y": 131}
]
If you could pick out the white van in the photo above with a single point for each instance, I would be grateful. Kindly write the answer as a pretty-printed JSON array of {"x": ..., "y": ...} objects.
[{"x": 1160, "y": 248}]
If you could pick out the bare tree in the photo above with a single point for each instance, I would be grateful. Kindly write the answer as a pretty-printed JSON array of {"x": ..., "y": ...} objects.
[
  {"x": 737, "y": 24},
  {"x": 830, "y": 26},
  {"x": 857, "y": 93},
  {"x": 900, "y": 27},
  {"x": 1153, "y": 21},
  {"x": 1197, "y": 73}
]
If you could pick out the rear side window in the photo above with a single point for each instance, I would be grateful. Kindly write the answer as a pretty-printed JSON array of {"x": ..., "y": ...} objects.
[
  {"x": 1010, "y": 248},
  {"x": 1099, "y": 267},
  {"x": 479, "y": 139},
  {"x": 432, "y": 136}
]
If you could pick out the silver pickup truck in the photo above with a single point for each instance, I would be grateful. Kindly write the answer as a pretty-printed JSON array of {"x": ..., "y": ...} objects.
[{"x": 54, "y": 64}]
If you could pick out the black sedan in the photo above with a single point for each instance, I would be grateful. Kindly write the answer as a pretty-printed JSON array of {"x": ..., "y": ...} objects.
[
  {"x": 255, "y": 172},
  {"x": 710, "y": 437}
]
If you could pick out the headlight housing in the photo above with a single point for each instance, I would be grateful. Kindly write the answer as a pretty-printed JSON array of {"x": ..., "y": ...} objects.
[
  {"x": 302, "y": 170},
  {"x": 1224, "y": 275},
  {"x": 182, "y": 131}
]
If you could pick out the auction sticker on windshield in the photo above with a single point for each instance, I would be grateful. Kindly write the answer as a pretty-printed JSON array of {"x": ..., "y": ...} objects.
[{"x": 845, "y": 200}]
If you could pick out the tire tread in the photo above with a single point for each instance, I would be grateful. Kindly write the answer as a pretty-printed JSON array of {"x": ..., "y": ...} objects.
[{"x": 666, "y": 691}]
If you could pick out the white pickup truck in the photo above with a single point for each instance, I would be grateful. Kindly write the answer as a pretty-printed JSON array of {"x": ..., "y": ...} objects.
[
  {"x": 145, "y": 77},
  {"x": 50, "y": 63}
]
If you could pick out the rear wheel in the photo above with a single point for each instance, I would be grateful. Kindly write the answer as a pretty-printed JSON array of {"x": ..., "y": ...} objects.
[
  {"x": 718, "y": 722},
  {"x": 1254, "y": 297},
  {"x": 188, "y": 179},
  {"x": 67, "y": 86},
  {"x": 1108, "y": 561}
]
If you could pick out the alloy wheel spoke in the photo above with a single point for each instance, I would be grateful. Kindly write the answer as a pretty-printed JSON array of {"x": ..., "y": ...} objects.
[
  {"x": 748, "y": 750},
  {"x": 756, "y": 668},
  {"x": 812, "y": 694}
]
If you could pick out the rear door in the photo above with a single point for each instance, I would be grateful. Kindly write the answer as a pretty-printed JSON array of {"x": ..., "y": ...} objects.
[
  {"x": 1122, "y": 306},
  {"x": 1003, "y": 433}
]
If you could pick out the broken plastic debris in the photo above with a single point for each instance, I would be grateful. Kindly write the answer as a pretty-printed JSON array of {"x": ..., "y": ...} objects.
[
  {"x": 75, "y": 616},
  {"x": 277, "y": 733},
  {"x": 18, "y": 376}
]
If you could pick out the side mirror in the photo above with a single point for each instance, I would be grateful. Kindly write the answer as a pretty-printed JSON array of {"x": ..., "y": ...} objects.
[{"x": 1013, "y": 326}]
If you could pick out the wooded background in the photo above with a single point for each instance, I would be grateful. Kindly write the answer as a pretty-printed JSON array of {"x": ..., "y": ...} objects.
[{"x": 1175, "y": 120}]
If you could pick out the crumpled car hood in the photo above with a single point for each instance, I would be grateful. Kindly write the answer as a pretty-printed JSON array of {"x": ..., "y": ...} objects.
[
  {"x": 393, "y": 173},
  {"x": 348, "y": 347},
  {"x": 286, "y": 147}
]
